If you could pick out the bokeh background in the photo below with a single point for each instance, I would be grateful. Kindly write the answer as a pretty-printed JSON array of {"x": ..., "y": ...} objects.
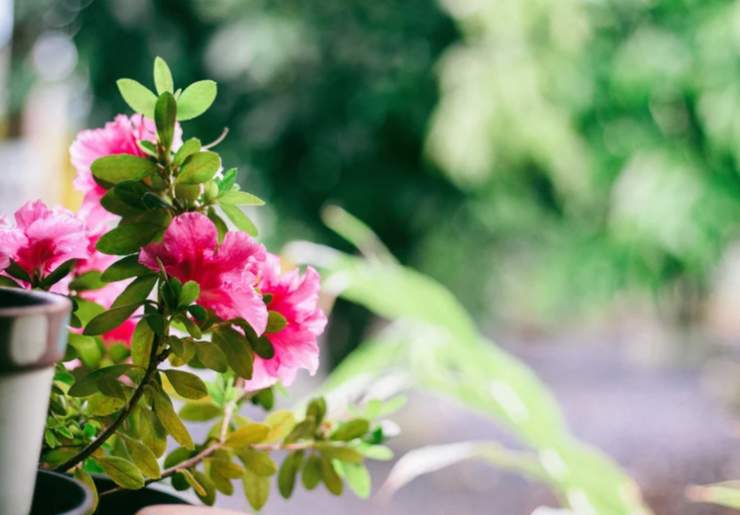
[{"x": 569, "y": 170}]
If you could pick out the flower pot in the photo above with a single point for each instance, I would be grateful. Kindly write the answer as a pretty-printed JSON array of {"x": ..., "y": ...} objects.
[
  {"x": 33, "y": 330},
  {"x": 130, "y": 501},
  {"x": 60, "y": 494}
]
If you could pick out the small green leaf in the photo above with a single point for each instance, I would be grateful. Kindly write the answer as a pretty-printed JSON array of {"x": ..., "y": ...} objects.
[
  {"x": 316, "y": 409},
  {"x": 196, "y": 99},
  {"x": 186, "y": 384},
  {"x": 275, "y": 322},
  {"x": 91, "y": 280},
  {"x": 200, "y": 490},
  {"x": 17, "y": 271},
  {"x": 136, "y": 292},
  {"x": 199, "y": 168},
  {"x": 246, "y": 435},
  {"x": 122, "y": 472},
  {"x": 376, "y": 452},
  {"x": 57, "y": 274},
  {"x": 8, "y": 282},
  {"x": 177, "y": 456},
  {"x": 240, "y": 198},
  {"x": 151, "y": 431},
  {"x": 357, "y": 477},
  {"x": 141, "y": 344},
  {"x": 221, "y": 483},
  {"x": 137, "y": 96},
  {"x": 351, "y": 429},
  {"x": 311, "y": 475},
  {"x": 347, "y": 454},
  {"x": 164, "y": 118},
  {"x": 189, "y": 293},
  {"x": 142, "y": 456},
  {"x": 258, "y": 462},
  {"x": 128, "y": 238},
  {"x": 210, "y": 496},
  {"x": 87, "y": 349},
  {"x": 281, "y": 422},
  {"x": 124, "y": 268},
  {"x": 162, "y": 76},
  {"x": 88, "y": 385},
  {"x": 239, "y": 219},
  {"x": 82, "y": 475},
  {"x": 211, "y": 356},
  {"x": 330, "y": 477},
  {"x": 256, "y": 489},
  {"x": 170, "y": 420},
  {"x": 199, "y": 411},
  {"x": 123, "y": 167},
  {"x": 109, "y": 320},
  {"x": 237, "y": 351},
  {"x": 189, "y": 147},
  {"x": 288, "y": 472}
]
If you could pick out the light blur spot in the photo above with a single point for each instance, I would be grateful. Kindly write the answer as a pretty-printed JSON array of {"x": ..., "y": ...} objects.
[{"x": 54, "y": 56}]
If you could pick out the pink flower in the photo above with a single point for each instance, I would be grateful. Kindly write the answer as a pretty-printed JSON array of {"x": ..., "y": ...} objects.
[
  {"x": 11, "y": 238},
  {"x": 296, "y": 297},
  {"x": 226, "y": 273},
  {"x": 48, "y": 238},
  {"x": 121, "y": 136}
]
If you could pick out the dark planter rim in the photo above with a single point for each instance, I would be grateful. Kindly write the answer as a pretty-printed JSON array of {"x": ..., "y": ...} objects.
[
  {"x": 32, "y": 302},
  {"x": 86, "y": 502}
]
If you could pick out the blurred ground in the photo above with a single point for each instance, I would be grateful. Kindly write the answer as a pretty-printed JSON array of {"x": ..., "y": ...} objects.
[{"x": 657, "y": 421}]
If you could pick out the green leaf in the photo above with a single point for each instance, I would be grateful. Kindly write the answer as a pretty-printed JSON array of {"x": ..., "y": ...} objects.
[
  {"x": 141, "y": 344},
  {"x": 262, "y": 346},
  {"x": 256, "y": 489},
  {"x": 136, "y": 292},
  {"x": 8, "y": 282},
  {"x": 196, "y": 99},
  {"x": 186, "y": 384},
  {"x": 91, "y": 280},
  {"x": 316, "y": 409},
  {"x": 206, "y": 484},
  {"x": 351, "y": 429},
  {"x": 137, "y": 96},
  {"x": 142, "y": 456},
  {"x": 333, "y": 452},
  {"x": 88, "y": 385},
  {"x": 164, "y": 119},
  {"x": 288, "y": 472},
  {"x": 82, "y": 475},
  {"x": 311, "y": 476},
  {"x": 189, "y": 147},
  {"x": 124, "y": 268},
  {"x": 199, "y": 168},
  {"x": 221, "y": 483},
  {"x": 239, "y": 219},
  {"x": 162, "y": 76},
  {"x": 123, "y": 167},
  {"x": 258, "y": 462},
  {"x": 189, "y": 293},
  {"x": 330, "y": 477},
  {"x": 101, "y": 405},
  {"x": 219, "y": 223},
  {"x": 211, "y": 356},
  {"x": 151, "y": 431},
  {"x": 122, "y": 472},
  {"x": 237, "y": 351},
  {"x": 240, "y": 198},
  {"x": 170, "y": 420},
  {"x": 376, "y": 452},
  {"x": 57, "y": 274},
  {"x": 87, "y": 349},
  {"x": 177, "y": 456},
  {"x": 357, "y": 477},
  {"x": 281, "y": 422},
  {"x": 247, "y": 435},
  {"x": 275, "y": 322},
  {"x": 199, "y": 489},
  {"x": 128, "y": 238},
  {"x": 17, "y": 271},
  {"x": 199, "y": 411}
]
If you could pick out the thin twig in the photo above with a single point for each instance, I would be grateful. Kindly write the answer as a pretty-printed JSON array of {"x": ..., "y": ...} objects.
[{"x": 218, "y": 140}]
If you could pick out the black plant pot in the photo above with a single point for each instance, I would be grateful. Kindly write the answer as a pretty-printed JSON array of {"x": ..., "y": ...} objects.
[
  {"x": 130, "y": 501},
  {"x": 59, "y": 494}
]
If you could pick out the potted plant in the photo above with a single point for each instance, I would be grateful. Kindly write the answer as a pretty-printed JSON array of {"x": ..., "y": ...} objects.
[{"x": 161, "y": 286}]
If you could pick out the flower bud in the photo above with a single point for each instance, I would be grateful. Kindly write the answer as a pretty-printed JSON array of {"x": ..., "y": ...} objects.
[
  {"x": 187, "y": 191},
  {"x": 211, "y": 191}
]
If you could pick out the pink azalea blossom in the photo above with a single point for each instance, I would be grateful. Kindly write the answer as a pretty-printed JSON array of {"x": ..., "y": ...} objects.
[
  {"x": 11, "y": 238},
  {"x": 121, "y": 136},
  {"x": 296, "y": 297},
  {"x": 48, "y": 238},
  {"x": 226, "y": 273}
]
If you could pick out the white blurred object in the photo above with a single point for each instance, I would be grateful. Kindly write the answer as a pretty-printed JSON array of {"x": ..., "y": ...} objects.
[{"x": 546, "y": 510}]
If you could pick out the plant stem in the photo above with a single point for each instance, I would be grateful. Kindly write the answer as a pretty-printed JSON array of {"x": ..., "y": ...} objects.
[{"x": 87, "y": 451}]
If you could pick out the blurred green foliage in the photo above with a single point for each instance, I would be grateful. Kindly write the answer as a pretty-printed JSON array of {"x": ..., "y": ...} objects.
[{"x": 537, "y": 157}]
